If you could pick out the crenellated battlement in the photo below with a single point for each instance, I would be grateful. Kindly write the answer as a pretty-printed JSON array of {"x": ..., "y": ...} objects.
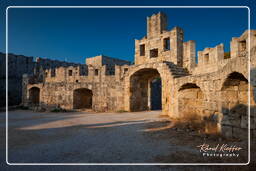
[
  {"x": 213, "y": 59},
  {"x": 84, "y": 73},
  {"x": 109, "y": 78},
  {"x": 165, "y": 76}
]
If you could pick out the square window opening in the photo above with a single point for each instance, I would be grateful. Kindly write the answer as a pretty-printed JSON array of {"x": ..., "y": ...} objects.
[
  {"x": 167, "y": 44},
  {"x": 153, "y": 53},
  {"x": 69, "y": 72},
  {"x": 96, "y": 72}
]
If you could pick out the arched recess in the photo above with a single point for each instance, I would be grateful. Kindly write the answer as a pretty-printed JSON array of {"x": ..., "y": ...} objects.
[
  {"x": 34, "y": 95},
  {"x": 190, "y": 101},
  {"x": 145, "y": 90},
  {"x": 82, "y": 98},
  {"x": 234, "y": 94}
]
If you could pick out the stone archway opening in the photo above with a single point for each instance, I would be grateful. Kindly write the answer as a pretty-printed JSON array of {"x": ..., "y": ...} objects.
[
  {"x": 234, "y": 92},
  {"x": 34, "y": 95},
  {"x": 190, "y": 101},
  {"x": 145, "y": 90},
  {"x": 82, "y": 98},
  {"x": 234, "y": 96}
]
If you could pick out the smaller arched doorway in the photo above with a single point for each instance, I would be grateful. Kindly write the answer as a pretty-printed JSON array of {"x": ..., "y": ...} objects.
[
  {"x": 82, "y": 98},
  {"x": 34, "y": 95},
  {"x": 234, "y": 91},
  {"x": 190, "y": 101}
]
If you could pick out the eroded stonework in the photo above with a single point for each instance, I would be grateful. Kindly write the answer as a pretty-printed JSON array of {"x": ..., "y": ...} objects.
[{"x": 216, "y": 87}]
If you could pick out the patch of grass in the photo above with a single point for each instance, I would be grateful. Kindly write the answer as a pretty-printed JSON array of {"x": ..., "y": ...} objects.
[{"x": 197, "y": 123}]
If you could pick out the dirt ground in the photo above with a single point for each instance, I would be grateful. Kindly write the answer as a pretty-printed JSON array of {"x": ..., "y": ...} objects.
[{"x": 86, "y": 137}]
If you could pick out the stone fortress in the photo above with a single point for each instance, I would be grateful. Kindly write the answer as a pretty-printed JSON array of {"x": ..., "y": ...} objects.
[
  {"x": 165, "y": 76},
  {"x": 17, "y": 66}
]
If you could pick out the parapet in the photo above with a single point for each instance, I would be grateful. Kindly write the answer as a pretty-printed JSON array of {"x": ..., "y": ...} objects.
[
  {"x": 213, "y": 59},
  {"x": 239, "y": 46},
  {"x": 85, "y": 73},
  {"x": 105, "y": 60},
  {"x": 210, "y": 56}
]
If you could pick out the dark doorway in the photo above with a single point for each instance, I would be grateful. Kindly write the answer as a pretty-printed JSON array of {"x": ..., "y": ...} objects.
[
  {"x": 82, "y": 98},
  {"x": 34, "y": 95},
  {"x": 146, "y": 91},
  {"x": 156, "y": 94}
]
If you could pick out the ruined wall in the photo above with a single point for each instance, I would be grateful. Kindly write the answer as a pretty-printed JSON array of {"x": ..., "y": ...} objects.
[
  {"x": 210, "y": 60},
  {"x": 189, "y": 55},
  {"x": 104, "y": 61},
  {"x": 106, "y": 92},
  {"x": 208, "y": 89},
  {"x": 17, "y": 66},
  {"x": 106, "y": 89},
  {"x": 225, "y": 92}
]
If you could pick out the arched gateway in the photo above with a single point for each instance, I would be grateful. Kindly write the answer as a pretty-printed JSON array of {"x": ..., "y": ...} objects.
[
  {"x": 146, "y": 90},
  {"x": 34, "y": 95},
  {"x": 82, "y": 98}
]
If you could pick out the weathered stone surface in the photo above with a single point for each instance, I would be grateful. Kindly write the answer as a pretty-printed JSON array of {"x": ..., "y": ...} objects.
[
  {"x": 227, "y": 131},
  {"x": 217, "y": 84}
]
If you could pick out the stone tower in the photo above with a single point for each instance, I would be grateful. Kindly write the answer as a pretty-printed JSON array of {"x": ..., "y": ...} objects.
[
  {"x": 156, "y": 24},
  {"x": 160, "y": 44}
]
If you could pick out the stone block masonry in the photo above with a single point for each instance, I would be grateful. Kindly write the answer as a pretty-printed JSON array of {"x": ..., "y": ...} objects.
[
  {"x": 216, "y": 87},
  {"x": 18, "y": 65}
]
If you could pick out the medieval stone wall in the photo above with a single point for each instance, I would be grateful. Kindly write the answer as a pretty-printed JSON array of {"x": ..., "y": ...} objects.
[
  {"x": 17, "y": 66},
  {"x": 218, "y": 87}
]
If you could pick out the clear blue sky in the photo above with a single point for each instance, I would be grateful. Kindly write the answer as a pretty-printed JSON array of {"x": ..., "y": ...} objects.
[{"x": 75, "y": 34}]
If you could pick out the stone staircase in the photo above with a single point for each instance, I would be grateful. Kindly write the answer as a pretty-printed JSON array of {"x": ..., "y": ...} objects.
[{"x": 176, "y": 71}]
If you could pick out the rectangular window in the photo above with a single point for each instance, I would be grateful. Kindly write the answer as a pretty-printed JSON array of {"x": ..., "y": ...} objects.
[
  {"x": 96, "y": 72},
  {"x": 167, "y": 44},
  {"x": 142, "y": 50},
  {"x": 206, "y": 58},
  {"x": 53, "y": 73},
  {"x": 242, "y": 45},
  {"x": 153, "y": 53},
  {"x": 69, "y": 72}
]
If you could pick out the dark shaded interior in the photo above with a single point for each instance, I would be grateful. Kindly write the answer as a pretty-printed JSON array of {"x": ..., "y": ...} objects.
[
  {"x": 82, "y": 98},
  {"x": 34, "y": 95}
]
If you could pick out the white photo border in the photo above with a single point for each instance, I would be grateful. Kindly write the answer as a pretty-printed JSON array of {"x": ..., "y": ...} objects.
[{"x": 162, "y": 7}]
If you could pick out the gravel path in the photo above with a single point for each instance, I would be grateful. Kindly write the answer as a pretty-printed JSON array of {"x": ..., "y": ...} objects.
[
  {"x": 82, "y": 137},
  {"x": 86, "y": 137}
]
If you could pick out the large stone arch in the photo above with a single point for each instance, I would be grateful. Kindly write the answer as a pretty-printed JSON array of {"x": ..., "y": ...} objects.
[
  {"x": 141, "y": 89},
  {"x": 159, "y": 69},
  {"x": 190, "y": 101},
  {"x": 82, "y": 98},
  {"x": 34, "y": 95}
]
